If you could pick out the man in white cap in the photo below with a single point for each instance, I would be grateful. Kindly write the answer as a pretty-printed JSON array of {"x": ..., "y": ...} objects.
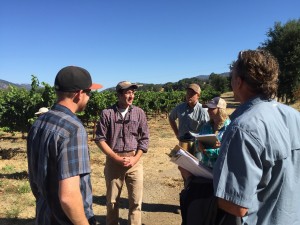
[
  {"x": 58, "y": 156},
  {"x": 123, "y": 135}
]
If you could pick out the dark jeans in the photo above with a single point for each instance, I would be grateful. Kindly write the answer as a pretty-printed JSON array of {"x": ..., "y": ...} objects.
[{"x": 199, "y": 206}]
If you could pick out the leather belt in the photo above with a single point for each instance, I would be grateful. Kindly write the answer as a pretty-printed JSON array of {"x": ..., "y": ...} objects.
[{"x": 126, "y": 154}]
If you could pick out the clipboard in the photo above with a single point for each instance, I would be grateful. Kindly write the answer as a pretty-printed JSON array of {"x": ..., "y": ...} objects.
[
  {"x": 189, "y": 162},
  {"x": 206, "y": 139}
]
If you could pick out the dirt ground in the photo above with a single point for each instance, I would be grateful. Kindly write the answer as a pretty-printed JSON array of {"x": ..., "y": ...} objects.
[{"x": 162, "y": 181}]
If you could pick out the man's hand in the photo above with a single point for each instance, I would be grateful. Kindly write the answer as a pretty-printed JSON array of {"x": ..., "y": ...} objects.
[
  {"x": 129, "y": 161},
  {"x": 124, "y": 161},
  {"x": 218, "y": 144}
]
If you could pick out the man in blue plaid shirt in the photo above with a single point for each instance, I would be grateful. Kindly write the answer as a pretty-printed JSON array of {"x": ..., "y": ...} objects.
[{"x": 58, "y": 155}]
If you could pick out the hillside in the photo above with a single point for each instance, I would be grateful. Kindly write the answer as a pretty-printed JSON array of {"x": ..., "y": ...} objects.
[
  {"x": 5, "y": 84},
  {"x": 205, "y": 77}
]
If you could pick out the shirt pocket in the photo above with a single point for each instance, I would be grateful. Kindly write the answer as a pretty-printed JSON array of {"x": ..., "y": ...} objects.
[
  {"x": 133, "y": 127},
  {"x": 194, "y": 124}
]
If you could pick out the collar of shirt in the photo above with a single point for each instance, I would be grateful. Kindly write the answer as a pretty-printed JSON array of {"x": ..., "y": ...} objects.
[
  {"x": 116, "y": 108},
  {"x": 247, "y": 105},
  {"x": 58, "y": 107},
  {"x": 190, "y": 108}
]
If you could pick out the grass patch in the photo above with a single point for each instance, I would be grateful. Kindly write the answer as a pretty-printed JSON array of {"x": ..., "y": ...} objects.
[
  {"x": 11, "y": 189},
  {"x": 8, "y": 169},
  {"x": 13, "y": 213},
  {"x": 24, "y": 188}
]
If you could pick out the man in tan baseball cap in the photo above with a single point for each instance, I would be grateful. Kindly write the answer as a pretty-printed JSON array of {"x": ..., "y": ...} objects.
[
  {"x": 123, "y": 135},
  {"x": 191, "y": 116}
]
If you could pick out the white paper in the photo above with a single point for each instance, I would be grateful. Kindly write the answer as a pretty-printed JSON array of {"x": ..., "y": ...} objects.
[{"x": 187, "y": 161}]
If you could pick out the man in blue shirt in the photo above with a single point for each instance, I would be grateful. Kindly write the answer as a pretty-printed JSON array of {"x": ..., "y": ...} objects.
[
  {"x": 256, "y": 175},
  {"x": 58, "y": 157},
  {"x": 190, "y": 115}
]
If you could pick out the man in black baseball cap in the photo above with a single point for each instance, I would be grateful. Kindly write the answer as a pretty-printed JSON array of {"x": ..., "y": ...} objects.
[
  {"x": 57, "y": 146},
  {"x": 73, "y": 78}
]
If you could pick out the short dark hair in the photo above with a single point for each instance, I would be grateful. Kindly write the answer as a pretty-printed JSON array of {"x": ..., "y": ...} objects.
[
  {"x": 259, "y": 69},
  {"x": 62, "y": 95}
]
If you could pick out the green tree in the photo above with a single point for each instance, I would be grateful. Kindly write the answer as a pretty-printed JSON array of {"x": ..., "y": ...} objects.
[
  {"x": 19, "y": 105},
  {"x": 48, "y": 95},
  {"x": 219, "y": 83},
  {"x": 16, "y": 106},
  {"x": 208, "y": 94},
  {"x": 284, "y": 43}
]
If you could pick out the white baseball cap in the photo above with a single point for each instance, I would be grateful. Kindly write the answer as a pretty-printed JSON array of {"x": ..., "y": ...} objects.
[
  {"x": 216, "y": 102},
  {"x": 41, "y": 111}
]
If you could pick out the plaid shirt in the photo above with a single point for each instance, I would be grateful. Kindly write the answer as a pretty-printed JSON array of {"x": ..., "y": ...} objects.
[
  {"x": 57, "y": 149},
  {"x": 123, "y": 134}
]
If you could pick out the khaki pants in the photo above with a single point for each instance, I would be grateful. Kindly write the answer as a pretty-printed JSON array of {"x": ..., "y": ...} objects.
[{"x": 115, "y": 176}]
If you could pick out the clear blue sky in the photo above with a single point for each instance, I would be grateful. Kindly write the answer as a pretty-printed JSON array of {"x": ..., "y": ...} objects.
[{"x": 145, "y": 41}]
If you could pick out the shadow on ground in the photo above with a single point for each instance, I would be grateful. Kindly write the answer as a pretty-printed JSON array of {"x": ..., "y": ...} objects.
[
  {"x": 17, "y": 176},
  {"x": 10, "y": 152},
  {"x": 147, "y": 207},
  {"x": 6, "y": 221}
]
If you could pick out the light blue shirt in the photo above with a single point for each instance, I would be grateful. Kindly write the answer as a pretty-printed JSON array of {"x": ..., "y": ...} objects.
[
  {"x": 259, "y": 163},
  {"x": 189, "y": 119}
]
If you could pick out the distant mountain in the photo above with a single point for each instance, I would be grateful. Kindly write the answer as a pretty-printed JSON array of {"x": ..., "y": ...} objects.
[
  {"x": 205, "y": 77},
  {"x": 226, "y": 74},
  {"x": 202, "y": 77},
  {"x": 5, "y": 84}
]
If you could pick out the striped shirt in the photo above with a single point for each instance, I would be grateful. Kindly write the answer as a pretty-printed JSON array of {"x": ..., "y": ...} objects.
[
  {"x": 123, "y": 134},
  {"x": 57, "y": 149}
]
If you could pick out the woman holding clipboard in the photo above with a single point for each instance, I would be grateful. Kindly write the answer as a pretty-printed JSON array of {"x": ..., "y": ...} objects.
[{"x": 219, "y": 121}]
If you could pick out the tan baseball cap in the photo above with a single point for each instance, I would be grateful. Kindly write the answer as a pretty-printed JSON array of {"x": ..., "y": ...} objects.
[
  {"x": 195, "y": 87},
  {"x": 216, "y": 102},
  {"x": 123, "y": 85}
]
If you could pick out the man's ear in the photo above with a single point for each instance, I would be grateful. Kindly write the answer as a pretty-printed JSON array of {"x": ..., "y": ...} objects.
[
  {"x": 77, "y": 96},
  {"x": 239, "y": 82}
]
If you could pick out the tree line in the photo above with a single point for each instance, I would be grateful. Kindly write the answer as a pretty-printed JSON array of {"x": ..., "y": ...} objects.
[{"x": 18, "y": 105}]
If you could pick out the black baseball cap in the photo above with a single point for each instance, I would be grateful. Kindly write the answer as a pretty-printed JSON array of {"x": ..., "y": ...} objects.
[{"x": 74, "y": 78}]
